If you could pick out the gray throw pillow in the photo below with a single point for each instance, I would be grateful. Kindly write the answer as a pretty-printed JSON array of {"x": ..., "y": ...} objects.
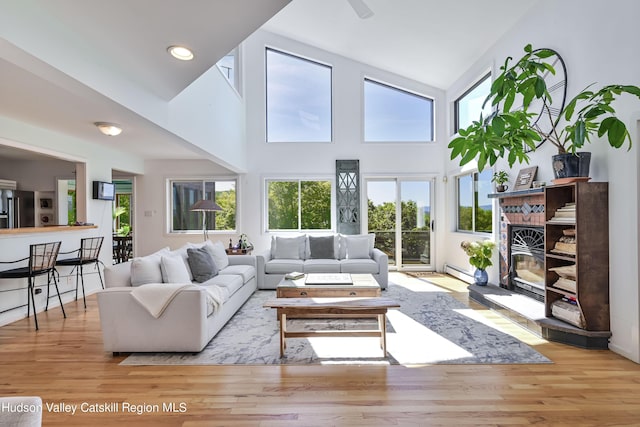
[
  {"x": 321, "y": 247},
  {"x": 202, "y": 265}
]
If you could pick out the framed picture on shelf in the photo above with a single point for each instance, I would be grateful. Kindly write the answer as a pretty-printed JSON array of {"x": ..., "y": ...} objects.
[
  {"x": 525, "y": 178},
  {"x": 46, "y": 203}
]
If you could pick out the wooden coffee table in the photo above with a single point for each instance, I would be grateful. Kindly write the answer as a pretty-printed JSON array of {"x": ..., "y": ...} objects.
[
  {"x": 363, "y": 285},
  {"x": 338, "y": 307}
]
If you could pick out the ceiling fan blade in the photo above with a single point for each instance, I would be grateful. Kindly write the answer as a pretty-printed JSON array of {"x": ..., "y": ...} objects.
[{"x": 361, "y": 8}]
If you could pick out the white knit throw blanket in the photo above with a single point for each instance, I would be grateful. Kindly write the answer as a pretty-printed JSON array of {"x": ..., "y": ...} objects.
[{"x": 155, "y": 297}]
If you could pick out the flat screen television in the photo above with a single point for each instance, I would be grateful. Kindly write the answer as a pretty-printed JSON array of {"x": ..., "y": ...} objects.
[{"x": 104, "y": 190}]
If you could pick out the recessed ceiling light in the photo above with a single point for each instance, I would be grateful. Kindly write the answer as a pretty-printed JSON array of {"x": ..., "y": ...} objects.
[
  {"x": 180, "y": 52},
  {"x": 109, "y": 129}
]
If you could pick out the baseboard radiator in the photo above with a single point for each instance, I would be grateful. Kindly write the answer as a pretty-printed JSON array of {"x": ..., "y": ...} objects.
[{"x": 458, "y": 273}]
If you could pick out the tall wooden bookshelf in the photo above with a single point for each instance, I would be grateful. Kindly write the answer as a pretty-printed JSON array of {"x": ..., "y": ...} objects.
[{"x": 577, "y": 273}]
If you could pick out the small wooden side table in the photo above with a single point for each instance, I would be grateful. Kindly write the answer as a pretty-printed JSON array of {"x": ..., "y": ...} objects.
[{"x": 234, "y": 251}]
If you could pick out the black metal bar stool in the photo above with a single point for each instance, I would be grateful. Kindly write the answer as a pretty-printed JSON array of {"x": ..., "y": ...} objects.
[
  {"x": 42, "y": 260},
  {"x": 87, "y": 254}
]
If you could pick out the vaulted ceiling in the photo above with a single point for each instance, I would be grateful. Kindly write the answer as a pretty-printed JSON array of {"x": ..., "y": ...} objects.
[{"x": 67, "y": 63}]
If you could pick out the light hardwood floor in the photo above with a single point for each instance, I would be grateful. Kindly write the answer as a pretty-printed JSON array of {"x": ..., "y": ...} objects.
[{"x": 64, "y": 363}]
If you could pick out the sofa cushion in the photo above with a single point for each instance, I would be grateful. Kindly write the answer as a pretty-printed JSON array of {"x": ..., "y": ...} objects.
[
  {"x": 357, "y": 248},
  {"x": 147, "y": 269},
  {"x": 370, "y": 238},
  {"x": 183, "y": 255},
  {"x": 321, "y": 247},
  {"x": 302, "y": 245},
  {"x": 321, "y": 266},
  {"x": 247, "y": 272},
  {"x": 201, "y": 264},
  {"x": 283, "y": 266},
  {"x": 361, "y": 266},
  {"x": 287, "y": 248},
  {"x": 218, "y": 253},
  {"x": 174, "y": 270},
  {"x": 229, "y": 283}
]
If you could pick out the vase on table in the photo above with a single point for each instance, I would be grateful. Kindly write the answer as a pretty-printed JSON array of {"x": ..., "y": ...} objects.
[{"x": 480, "y": 277}]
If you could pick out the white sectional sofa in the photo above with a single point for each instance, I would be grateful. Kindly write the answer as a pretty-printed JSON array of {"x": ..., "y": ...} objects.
[
  {"x": 196, "y": 309},
  {"x": 335, "y": 253}
]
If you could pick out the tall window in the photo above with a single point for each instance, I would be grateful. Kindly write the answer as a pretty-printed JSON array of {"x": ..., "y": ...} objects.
[
  {"x": 475, "y": 210},
  {"x": 468, "y": 107},
  {"x": 298, "y": 205},
  {"x": 184, "y": 193},
  {"x": 298, "y": 99},
  {"x": 392, "y": 114}
]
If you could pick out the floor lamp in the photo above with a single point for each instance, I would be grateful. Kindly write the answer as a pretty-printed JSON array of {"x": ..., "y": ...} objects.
[{"x": 205, "y": 206}]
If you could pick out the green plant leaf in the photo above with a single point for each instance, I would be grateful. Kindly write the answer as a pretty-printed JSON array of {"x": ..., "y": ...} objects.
[
  {"x": 616, "y": 133},
  {"x": 497, "y": 125}
]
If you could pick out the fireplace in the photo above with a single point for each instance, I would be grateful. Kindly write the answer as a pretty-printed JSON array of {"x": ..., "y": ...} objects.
[{"x": 526, "y": 255}]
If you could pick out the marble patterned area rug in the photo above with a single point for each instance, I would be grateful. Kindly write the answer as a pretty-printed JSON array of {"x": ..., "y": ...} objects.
[{"x": 431, "y": 327}]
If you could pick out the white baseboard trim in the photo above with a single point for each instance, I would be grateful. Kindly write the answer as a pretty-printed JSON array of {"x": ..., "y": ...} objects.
[{"x": 458, "y": 273}]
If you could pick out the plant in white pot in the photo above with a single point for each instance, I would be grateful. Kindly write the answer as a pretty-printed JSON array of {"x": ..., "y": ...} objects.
[{"x": 512, "y": 132}]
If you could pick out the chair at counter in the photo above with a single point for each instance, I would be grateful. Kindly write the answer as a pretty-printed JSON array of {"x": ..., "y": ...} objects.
[
  {"x": 42, "y": 260},
  {"x": 122, "y": 248},
  {"x": 87, "y": 254}
]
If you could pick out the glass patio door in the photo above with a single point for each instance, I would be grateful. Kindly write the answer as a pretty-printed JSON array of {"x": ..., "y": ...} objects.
[{"x": 399, "y": 212}]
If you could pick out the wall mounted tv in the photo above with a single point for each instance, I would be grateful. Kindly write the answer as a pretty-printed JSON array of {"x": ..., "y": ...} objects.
[{"x": 104, "y": 190}]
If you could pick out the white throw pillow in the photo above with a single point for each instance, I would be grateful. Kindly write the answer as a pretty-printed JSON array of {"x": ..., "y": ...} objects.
[
  {"x": 300, "y": 240},
  {"x": 147, "y": 269},
  {"x": 184, "y": 256},
  {"x": 370, "y": 238},
  {"x": 174, "y": 270},
  {"x": 357, "y": 248},
  {"x": 217, "y": 251},
  {"x": 287, "y": 248}
]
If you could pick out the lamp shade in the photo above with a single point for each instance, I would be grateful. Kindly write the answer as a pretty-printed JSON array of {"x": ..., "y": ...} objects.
[{"x": 205, "y": 206}]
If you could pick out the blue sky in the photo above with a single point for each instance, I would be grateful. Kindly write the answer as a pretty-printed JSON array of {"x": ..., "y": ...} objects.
[{"x": 299, "y": 105}]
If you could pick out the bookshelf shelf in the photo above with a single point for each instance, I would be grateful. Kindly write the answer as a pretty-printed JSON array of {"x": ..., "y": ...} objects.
[{"x": 577, "y": 213}]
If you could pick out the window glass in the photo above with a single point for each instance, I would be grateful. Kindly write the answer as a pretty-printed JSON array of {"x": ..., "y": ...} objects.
[
  {"x": 298, "y": 99},
  {"x": 475, "y": 209},
  {"x": 392, "y": 114},
  {"x": 469, "y": 106},
  {"x": 185, "y": 193},
  {"x": 465, "y": 203},
  {"x": 298, "y": 205},
  {"x": 229, "y": 65}
]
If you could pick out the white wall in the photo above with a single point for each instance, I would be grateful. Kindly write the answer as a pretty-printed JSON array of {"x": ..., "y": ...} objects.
[
  {"x": 596, "y": 48},
  {"x": 210, "y": 114},
  {"x": 318, "y": 159}
]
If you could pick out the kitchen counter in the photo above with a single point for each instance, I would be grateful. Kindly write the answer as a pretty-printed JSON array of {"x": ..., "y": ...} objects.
[{"x": 49, "y": 229}]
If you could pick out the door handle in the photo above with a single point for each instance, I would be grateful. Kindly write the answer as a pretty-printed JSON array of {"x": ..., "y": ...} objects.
[{"x": 433, "y": 225}]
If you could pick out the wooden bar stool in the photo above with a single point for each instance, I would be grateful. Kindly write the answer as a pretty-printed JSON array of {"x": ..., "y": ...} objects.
[
  {"x": 42, "y": 260},
  {"x": 87, "y": 254}
]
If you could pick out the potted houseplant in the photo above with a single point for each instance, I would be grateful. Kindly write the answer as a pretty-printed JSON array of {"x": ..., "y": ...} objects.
[
  {"x": 513, "y": 132},
  {"x": 480, "y": 254},
  {"x": 500, "y": 178}
]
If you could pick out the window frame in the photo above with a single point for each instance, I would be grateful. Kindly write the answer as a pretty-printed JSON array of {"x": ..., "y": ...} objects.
[
  {"x": 266, "y": 95},
  {"x": 475, "y": 184},
  {"x": 237, "y": 70},
  {"x": 299, "y": 179},
  {"x": 404, "y": 91},
  {"x": 456, "y": 103},
  {"x": 204, "y": 180}
]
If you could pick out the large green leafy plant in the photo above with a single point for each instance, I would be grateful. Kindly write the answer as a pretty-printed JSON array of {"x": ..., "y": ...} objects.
[{"x": 511, "y": 132}]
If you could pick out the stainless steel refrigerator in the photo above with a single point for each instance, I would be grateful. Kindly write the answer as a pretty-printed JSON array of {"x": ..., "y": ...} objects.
[{"x": 17, "y": 208}]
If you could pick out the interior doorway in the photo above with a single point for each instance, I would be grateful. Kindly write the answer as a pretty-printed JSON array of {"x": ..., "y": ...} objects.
[
  {"x": 123, "y": 215},
  {"x": 400, "y": 213}
]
